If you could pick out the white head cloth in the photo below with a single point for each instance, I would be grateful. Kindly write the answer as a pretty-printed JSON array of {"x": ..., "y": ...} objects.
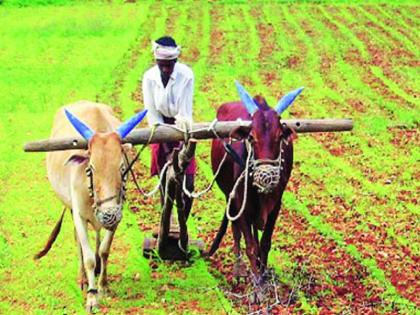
[{"x": 165, "y": 52}]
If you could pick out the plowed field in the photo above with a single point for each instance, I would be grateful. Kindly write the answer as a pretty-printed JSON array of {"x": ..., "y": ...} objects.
[{"x": 347, "y": 238}]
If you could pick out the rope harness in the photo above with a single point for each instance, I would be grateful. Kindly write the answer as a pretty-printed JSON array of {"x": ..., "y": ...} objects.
[
  {"x": 266, "y": 174},
  {"x": 165, "y": 167},
  {"x": 244, "y": 175},
  {"x": 210, "y": 186},
  {"x": 107, "y": 216},
  {"x": 130, "y": 165}
]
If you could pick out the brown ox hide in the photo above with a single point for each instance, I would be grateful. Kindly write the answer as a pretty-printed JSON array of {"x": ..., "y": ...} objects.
[
  {"x": 67, "y": 172},
  {"x": 261, "y": 209}
]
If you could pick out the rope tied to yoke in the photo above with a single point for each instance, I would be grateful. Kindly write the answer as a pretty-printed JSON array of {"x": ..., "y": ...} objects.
[
  {"x": 164, "y": 168},
  {"x": 131, "y": 164},
  {"x": 187, "y": 135},
  {"x": 244, "y": 174},
  {"x": 210, "y": 186}
]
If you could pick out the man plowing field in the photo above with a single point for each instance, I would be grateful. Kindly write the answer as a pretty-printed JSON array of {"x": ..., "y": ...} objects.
[
  {"x": 168, "y": 89},
  {"x": 89, "y": 173}
]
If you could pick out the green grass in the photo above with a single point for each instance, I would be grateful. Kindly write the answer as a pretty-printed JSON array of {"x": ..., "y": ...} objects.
[
  {"x": 67, "y": 62},
  {"x": 55, "y": 55}
]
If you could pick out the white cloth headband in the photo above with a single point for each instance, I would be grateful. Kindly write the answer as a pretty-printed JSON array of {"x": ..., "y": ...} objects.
[{"x": 165, "y": 52}]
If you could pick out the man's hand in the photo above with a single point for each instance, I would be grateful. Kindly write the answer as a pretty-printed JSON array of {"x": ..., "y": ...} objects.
[{"x": 183, "y": 122}]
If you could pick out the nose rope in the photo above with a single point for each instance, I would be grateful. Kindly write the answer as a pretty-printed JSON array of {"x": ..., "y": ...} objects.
[{"x": 101, "y": 202}]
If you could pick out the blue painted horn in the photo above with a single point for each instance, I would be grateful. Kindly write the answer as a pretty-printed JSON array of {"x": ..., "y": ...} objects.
[
  {"x": 129, "y": 124},
  {"x": 84, "y": 130},
  {"x": 246, "y": 99},
  {"x": 287, "y": 100}
]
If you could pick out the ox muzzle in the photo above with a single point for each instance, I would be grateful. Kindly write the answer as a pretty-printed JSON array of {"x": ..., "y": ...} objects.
[
  {"x": 109, "y": 217},
  {"x": 266, "y": 173},
  {"x": 266, "y": 176}
]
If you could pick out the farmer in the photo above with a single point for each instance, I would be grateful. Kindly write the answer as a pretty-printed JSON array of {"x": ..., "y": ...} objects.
[{"x": 168, "y": 95}]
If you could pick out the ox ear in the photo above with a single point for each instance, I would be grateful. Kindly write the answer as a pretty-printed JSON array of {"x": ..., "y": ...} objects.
[
  {"x": 84, "y": 130},
  {"x": 77, "y": 159},
  {"x": 289, "y": 133},
  {"x": 246, "y": 99},
  {"x": 287, "y": 100},
  {"x": 240, "y": 133},
  {"x": 129, "y": 124}
]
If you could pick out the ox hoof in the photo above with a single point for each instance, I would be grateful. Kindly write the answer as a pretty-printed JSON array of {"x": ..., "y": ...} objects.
[
  {"x": 92, "y": 309},
  {"x": 92, "y": 305}
]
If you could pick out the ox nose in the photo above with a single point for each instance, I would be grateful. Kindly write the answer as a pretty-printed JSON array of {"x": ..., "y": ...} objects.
[{"x": 109, "y": 217}]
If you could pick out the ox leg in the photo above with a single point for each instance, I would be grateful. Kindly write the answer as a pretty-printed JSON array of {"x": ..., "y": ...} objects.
[
  {"x": 97, "y": 257},
  {"x": 251, "y": 247},
  {"x": 257, "y": 242},
  {"x": 236, "y": 240},
  {"x": 81, "y": 279},
  {"x": 252, "y": 253},
  {"x": 89, "y": 261},
  {"x": 265, "y": 243},
  {"x": 104, "y": 254},
  {"x": 239, "y": 268}
]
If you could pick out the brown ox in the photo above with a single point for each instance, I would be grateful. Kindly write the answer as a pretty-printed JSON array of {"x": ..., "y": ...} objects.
[
  {"x": 255, "y": 174},
  {"x": 91, "y": 183}
]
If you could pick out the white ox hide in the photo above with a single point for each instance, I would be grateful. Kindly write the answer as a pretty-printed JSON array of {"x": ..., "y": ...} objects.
[{"x": 91, "y": 182}]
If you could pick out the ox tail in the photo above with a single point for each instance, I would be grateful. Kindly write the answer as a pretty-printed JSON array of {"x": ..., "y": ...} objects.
[
  {"x": 219, "y": 236},
  {"x": 52, "y": 238}
]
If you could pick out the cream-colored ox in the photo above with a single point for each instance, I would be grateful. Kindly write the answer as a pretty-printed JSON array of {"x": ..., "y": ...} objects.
[{"x": 91, "y": 183}]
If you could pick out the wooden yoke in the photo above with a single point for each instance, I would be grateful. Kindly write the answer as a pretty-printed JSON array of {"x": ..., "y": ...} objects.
[{"x": 167, "y": 133}]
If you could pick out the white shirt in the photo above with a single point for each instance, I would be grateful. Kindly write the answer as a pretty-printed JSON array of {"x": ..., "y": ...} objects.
[{"x": 174, "y": 99}]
